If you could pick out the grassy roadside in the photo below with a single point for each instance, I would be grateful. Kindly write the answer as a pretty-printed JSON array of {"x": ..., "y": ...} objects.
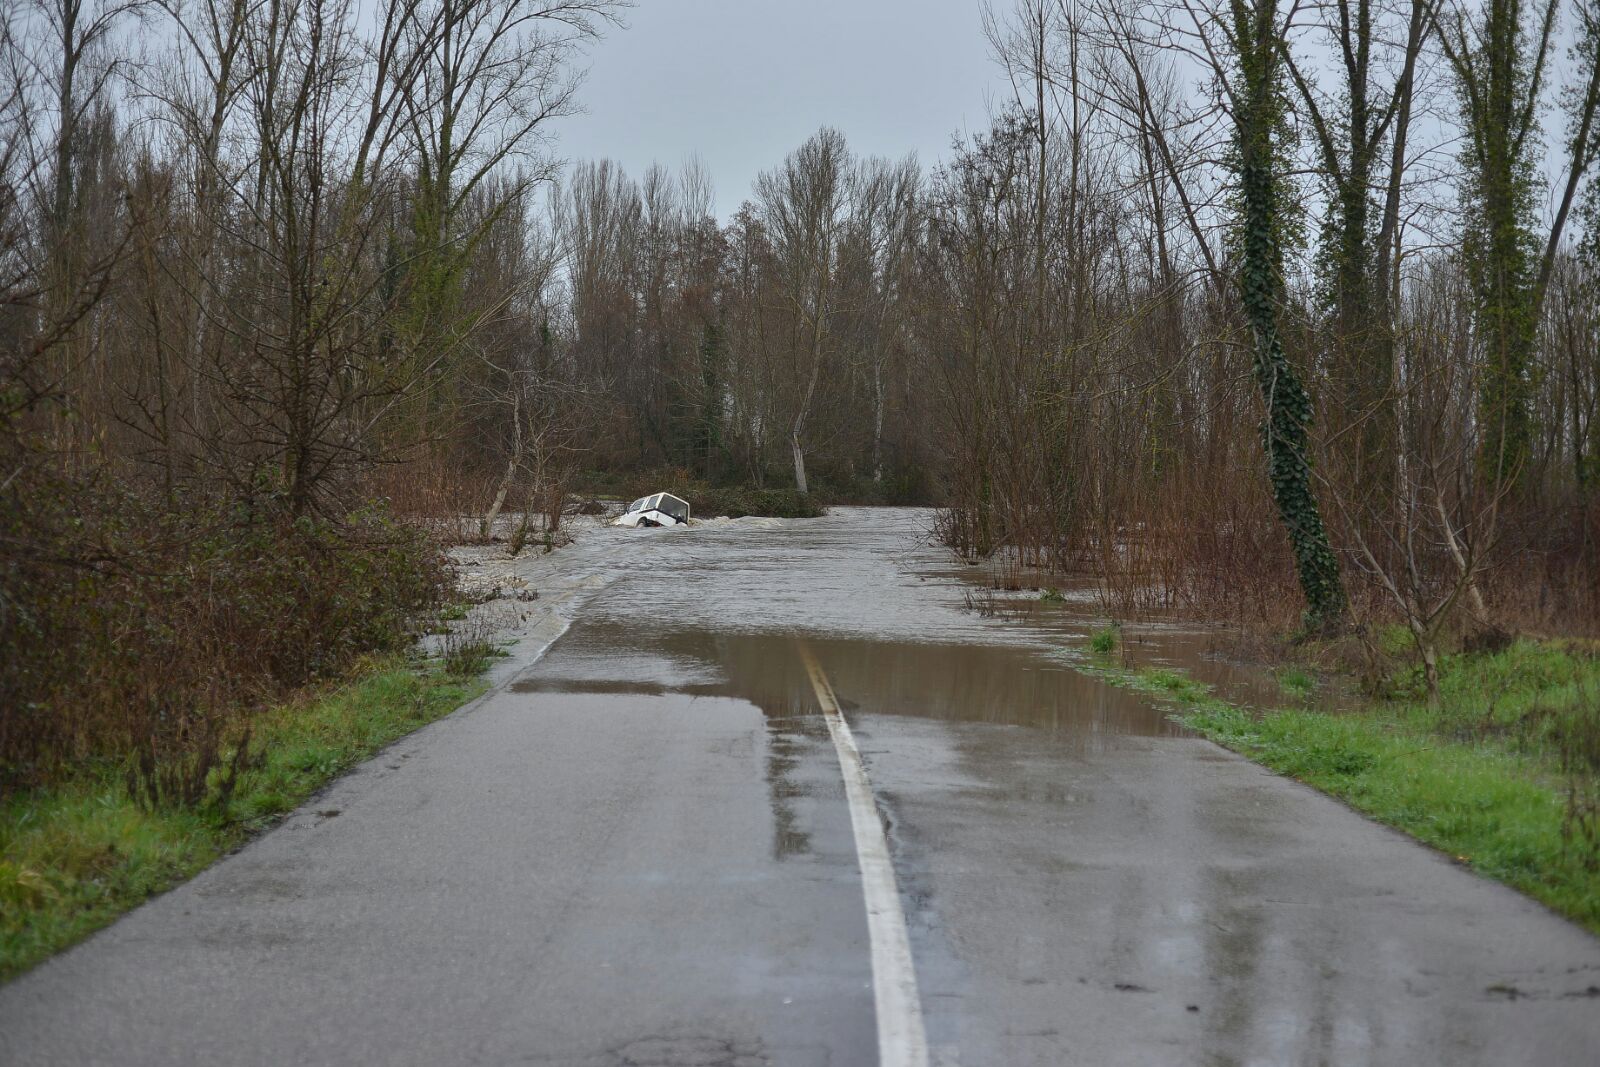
[
  {"x": 1504, "y": 775},
  {"x": 75, "y": 856}
]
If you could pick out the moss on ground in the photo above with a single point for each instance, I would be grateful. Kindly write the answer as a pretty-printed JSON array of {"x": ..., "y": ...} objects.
[{"x": 75, "y": 856}]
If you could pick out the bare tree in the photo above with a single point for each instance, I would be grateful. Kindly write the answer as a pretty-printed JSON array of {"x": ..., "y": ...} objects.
[
  {"x": 1428, "y": 544},
  {"x": 479, "y": 82},
  {"x": 804, "y": 205}
]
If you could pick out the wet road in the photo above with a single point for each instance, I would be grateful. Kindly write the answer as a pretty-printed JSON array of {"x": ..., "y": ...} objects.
[{"x": 640, "y": 850}]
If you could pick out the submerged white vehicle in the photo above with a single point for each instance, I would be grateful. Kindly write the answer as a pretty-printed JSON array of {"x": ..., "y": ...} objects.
[{"x": 663, "y": 509}]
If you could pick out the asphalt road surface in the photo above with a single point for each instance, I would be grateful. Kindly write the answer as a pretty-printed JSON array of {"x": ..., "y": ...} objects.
[{"x": 646, "y": 847}]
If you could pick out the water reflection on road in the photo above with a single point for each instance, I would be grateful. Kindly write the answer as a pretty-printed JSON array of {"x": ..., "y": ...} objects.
[
  {"x": 874, "y": 575},
  {"x": 1084, "y": 882},
  {"x": 998, "y": 684}
]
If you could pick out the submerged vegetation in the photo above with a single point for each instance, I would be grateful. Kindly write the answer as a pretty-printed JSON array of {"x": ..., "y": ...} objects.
[
  {"x": 1502, "y": 774},
  {"x": 1296, "y": 682}
]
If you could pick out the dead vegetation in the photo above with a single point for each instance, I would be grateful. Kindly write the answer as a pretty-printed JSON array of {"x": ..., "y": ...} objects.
[
  {"x": 1105, "y": 403},
  {"x": 287, "y": 280}
]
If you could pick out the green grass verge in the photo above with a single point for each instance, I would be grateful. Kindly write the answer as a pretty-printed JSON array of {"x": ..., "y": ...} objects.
[
  {"x": 1483, "y": 777},
  {"x": 73, "y": 857}
]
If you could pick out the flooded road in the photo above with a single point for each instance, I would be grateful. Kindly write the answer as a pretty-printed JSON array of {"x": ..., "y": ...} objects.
[
  {"x": 641, "y": 849},
  {"x": 996, "y": 684}
]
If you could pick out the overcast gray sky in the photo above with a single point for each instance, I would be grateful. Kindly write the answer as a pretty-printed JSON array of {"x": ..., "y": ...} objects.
[{"x": 740, "y": 83}]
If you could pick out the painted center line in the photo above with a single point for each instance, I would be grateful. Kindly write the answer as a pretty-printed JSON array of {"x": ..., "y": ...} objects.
[{"x": 902, "y": 1041}]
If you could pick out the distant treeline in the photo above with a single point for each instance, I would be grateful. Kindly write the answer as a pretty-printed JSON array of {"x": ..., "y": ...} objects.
[{"x": 1253, "y": 309}]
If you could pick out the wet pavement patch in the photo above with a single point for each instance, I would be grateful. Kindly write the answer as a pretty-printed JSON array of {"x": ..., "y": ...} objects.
[
  {"x": 992, "y": 684},
  {"x": 695, "y": 1051},
  {"x": 642, "y": 852}
]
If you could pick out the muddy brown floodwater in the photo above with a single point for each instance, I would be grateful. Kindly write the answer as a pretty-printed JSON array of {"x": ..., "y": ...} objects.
[
  {"x": 875, "y": 574},
  {"x": 1086, "y": 882},
  {"x": 995, "y": 684},
  {"x": 640, "y": 849}
]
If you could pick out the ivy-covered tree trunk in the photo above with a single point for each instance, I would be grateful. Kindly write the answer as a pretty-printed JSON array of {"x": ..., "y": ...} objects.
[
  {"x": 1350, "y": 122},
  {"x": 1259, "y": 109},
  {"x": 1500, "y": 265},
  {"x": 1498, "y": 64},
  {"x": 1499, "y": 245}
]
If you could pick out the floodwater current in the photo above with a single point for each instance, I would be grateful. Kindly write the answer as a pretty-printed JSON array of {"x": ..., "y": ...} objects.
[
  {"x": 645, "y": 846},
  {"x": 717, "y": 608},
  {"x": 1085, "y": 881}
]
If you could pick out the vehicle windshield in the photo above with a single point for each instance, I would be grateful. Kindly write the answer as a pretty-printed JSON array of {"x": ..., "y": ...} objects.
[{"x": 665, "y": 503}]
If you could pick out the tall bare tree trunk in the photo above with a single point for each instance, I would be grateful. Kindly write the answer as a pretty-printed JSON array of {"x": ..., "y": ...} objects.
[{"x": 511, "y": 465}]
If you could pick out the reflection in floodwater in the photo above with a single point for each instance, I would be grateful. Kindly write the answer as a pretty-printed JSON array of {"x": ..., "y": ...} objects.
[
  {"x": 1233, "y": 950},
  {"x": 874, "y": 574},
  {"x": 999, "y": 685},
  {"x": 1004, "y": 685},
  {"x": 1153, "y": 639},
  {"x": 788, "y": 839},
  {"x": 1079, "y": 879}
]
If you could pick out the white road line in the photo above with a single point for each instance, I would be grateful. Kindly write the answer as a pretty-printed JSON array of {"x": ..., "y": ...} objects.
[{"x": 902, "y": 1042}]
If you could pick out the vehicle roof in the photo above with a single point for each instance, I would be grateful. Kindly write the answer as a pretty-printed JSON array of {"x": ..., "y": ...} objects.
[{"x": 644, "y": 501}]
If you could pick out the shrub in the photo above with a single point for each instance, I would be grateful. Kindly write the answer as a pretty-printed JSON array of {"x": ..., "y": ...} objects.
[
  {"x": 1296, "y": 682},
  {"x": 1104, "y": 641},
  {"x": 738, "y": 502},
  {"x": 468, "y": 650},
  {"x": 147, "y": 632}
]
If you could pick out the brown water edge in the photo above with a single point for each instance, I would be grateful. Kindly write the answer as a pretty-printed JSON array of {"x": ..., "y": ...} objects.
[
  {"x": 1157, "y": 638},
  {"x": 995, "y": 684},
  {"x": 690, "y": 674},
  {"x": 914, "y": 631}
]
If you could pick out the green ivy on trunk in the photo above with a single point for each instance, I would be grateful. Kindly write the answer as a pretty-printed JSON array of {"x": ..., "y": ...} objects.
[{"x": 1264, "y": 215}]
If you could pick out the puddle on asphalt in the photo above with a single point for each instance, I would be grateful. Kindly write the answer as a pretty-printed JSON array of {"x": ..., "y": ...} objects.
[
  {"x": 993, "y": 684},
  {"x": 958, "y": 684}
]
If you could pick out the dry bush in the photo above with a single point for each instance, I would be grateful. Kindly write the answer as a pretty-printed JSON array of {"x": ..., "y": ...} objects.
[
  {"x": 1546, "y": 578},
  {"x": 446, "y": 497},
  {"x": 1204, "y": 542},
  {"x": 468, "y": 647},
  {"x": 149, "y": 634}
]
